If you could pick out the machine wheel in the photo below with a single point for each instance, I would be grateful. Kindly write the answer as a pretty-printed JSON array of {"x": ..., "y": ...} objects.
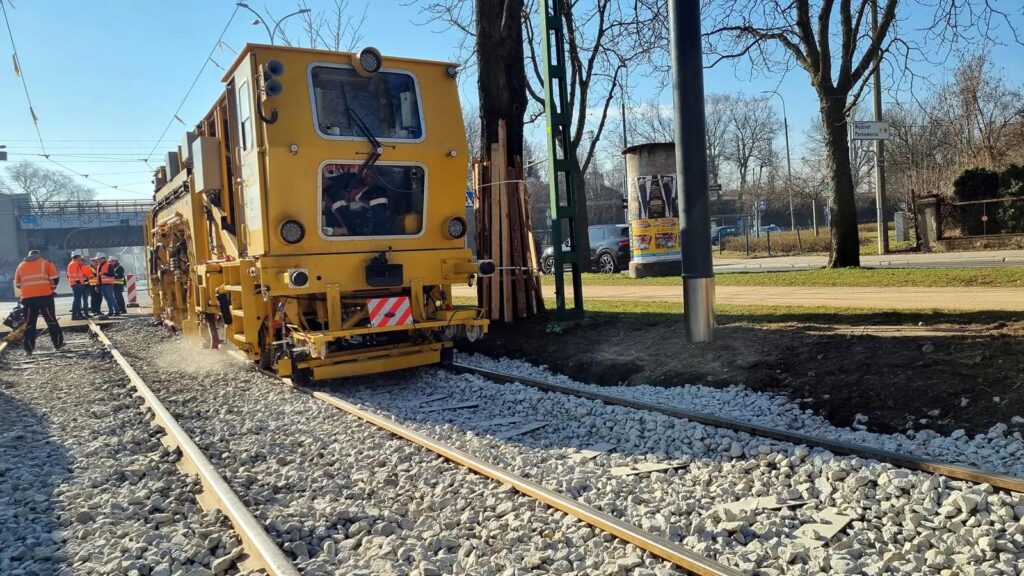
[
  {"x": 547, "y": 266},
  {"x": 606, "y": 264}
]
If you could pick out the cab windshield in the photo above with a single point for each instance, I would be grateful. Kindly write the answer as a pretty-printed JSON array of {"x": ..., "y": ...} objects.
[
  {"x": 386, "y": 102},
  {"x": 384, "y": 200}
]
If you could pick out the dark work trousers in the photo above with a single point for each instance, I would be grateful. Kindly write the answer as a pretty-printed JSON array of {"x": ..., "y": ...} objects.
[
  {"x": 95, "y": 299},
  {"x": 36, "y": 306},
  {"x": 108, "y": 295},
  {"x": 80, "y": 305},
  {"x": 119, "y": 296}
]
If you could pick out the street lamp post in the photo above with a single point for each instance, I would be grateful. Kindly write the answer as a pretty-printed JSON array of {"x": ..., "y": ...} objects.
[
  {"x": 262, "y": 20},
  {"x": 789, "y": 169}
]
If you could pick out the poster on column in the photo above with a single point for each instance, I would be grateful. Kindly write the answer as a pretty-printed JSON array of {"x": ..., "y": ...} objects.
[{"x": 654, "y": 222}]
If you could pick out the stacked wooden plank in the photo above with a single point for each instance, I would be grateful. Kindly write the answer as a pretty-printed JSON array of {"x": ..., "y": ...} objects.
[{"x": 504, "y": 234}]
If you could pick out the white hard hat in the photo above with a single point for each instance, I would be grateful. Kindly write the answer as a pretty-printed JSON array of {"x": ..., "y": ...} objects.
[
  {"x": 76, "y": 254},
  {"x": 100, "y": 255}
]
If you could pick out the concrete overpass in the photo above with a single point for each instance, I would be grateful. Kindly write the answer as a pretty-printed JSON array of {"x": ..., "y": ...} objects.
[{"x": 57, "y": 228}]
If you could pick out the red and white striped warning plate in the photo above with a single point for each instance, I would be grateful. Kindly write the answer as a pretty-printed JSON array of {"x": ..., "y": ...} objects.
[{"x": 389, "y": 311}]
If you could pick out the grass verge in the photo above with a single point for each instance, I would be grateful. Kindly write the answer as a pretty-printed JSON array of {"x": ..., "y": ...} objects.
[{"x": 1002, "y": 277}]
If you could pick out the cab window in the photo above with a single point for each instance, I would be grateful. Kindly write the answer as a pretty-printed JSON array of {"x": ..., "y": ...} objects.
[
  {"x": 379, "y": 201},
  {"x": 386, "y": 103},
  {"x": 245, "y": 115}
]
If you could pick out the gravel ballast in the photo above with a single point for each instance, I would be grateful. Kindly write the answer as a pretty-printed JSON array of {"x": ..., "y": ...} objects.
[
  {"x": 999, "y": 450},
  {"x": 86, "y": 486},
  {"x": 901, "y": 522},
  {"x": 343, "y": 497}
]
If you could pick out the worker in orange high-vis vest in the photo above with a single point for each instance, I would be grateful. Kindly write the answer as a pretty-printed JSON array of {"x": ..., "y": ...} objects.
[
  {"x": 36, "y": 279},
  {"x": 79, "y": 274},
  {"x": 95, "y": 298},
  {"x": 107, "y": 285}
]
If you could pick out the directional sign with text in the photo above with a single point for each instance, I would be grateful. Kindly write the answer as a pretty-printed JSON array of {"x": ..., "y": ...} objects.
[{"x": 869, "y": 130}]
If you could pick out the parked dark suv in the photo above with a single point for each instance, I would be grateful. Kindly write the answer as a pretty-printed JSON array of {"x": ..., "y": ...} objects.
[{"x": 609, "y": 249}]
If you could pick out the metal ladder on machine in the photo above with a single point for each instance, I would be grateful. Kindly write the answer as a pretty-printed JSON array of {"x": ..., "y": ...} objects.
[{"x": 562, "y": 161}]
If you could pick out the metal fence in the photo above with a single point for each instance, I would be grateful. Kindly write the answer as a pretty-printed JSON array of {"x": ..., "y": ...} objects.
[{"x": 981, "y": 218}]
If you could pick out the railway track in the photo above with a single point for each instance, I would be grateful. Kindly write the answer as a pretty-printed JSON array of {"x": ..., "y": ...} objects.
[
  {"x": 263, "y": 553},
  {"x": 908, "y": 461}
]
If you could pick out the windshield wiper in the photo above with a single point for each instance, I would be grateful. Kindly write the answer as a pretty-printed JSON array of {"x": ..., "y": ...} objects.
[{"x": 376, "y": 148}]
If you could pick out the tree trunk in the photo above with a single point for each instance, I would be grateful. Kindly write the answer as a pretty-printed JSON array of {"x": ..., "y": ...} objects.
[
  {"x": 845, "y": 251},
  {"x": 501, "y": 74},
  {"x": 814, "y": 213}
]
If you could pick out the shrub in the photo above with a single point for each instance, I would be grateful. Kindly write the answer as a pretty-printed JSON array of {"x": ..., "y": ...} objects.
[
  {"x": 975, "y": 184},
  {"x": 1011, "y": 214}
]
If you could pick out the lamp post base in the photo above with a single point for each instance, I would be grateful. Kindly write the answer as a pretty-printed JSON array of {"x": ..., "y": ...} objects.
[{"x": 699, "y": 308}]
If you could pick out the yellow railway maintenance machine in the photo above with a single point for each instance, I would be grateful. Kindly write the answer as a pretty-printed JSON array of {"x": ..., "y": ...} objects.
[{"x": 317, "y": 213}]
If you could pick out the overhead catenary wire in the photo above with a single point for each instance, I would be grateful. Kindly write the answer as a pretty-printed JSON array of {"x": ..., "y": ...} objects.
[
  {"x": 206, "y": 62},
  {"x": 20, "y": 73}
]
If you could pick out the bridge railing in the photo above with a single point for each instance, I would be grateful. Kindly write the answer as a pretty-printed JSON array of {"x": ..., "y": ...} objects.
[{"x": 74, "y": 207}]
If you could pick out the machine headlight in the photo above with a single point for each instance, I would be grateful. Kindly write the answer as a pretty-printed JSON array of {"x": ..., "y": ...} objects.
[
  {"x": 292, "y": 231},
  {"x": 298, "y": 278},
  {"x": 456, "y": 227},
  {"x": 369, "y": 61}
]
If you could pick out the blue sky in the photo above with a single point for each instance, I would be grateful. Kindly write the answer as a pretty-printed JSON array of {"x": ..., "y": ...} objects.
[{"x": 106, "y": 76}]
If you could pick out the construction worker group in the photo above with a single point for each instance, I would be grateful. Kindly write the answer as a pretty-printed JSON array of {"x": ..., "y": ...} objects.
[
  {"x": 99, "y": 280},
  {"x": 94, "y": 282}
]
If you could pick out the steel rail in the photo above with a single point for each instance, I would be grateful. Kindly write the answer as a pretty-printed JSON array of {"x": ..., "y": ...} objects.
[
  {"x": 950, "y": 470},
  {"x": 263, "y": 551},
  {"x": 656, "y": 545}
]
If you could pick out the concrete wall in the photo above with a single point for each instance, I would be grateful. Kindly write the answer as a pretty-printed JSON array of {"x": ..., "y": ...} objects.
[{"x": 12, "y": 243}]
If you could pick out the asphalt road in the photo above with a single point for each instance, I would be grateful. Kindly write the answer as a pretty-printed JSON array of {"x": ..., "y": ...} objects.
[{"x": 987, "y": 259}]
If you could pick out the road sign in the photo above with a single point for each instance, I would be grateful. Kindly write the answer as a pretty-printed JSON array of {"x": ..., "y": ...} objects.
[
  {"x": 714, "y": 188},
  {"x": 869, "y": 130},
  {"x": 761, "y": 205}
]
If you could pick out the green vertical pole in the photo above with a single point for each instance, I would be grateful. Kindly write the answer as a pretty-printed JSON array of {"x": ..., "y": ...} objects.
[{"x": 563, "y": 166}]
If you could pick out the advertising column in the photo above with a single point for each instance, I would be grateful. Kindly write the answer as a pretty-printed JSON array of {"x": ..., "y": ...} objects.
[{"x": 653, "y": 211}]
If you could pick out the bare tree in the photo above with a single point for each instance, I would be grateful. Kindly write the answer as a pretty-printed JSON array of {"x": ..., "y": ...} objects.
[
  {"x": 986, "y": 110},
  {"x": 718, "y": 127},
  {"x": 44, "y": 186},
  {"x": 749, "y": 145},
  {"x": 810, "y": 183},
  {"x": 337, "y": 28}
]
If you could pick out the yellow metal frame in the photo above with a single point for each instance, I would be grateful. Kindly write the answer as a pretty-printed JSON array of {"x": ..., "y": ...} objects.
[{"x": 372, "y": 361}]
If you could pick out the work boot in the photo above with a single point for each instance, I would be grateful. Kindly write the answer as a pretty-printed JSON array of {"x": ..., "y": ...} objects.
[{"x": 29, "y": 347}]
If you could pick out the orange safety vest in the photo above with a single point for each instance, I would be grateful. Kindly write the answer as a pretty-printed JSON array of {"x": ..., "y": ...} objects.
[
  {"x": 35, "y": 278},
  {"x": 104, "y": 271},
  {"x": 78, "y": 273},
  {"x": 94, "y": 278}
]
